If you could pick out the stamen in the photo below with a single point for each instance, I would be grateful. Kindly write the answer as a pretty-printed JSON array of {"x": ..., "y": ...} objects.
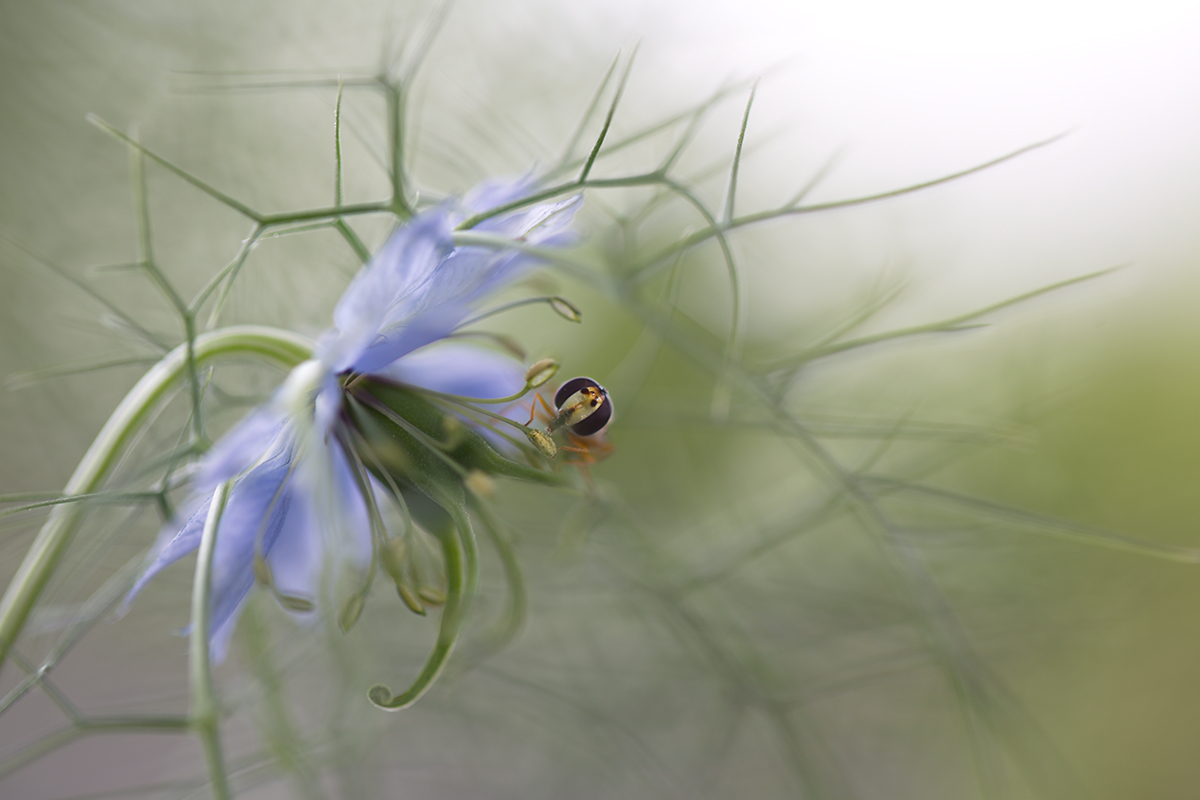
[
  {"x": 540, "y": 372},
  {"x": 351, "y": 611}
]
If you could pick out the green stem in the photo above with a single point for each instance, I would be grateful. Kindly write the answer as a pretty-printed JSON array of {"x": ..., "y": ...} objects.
[
  {"x": 86, "y": 727},
  {"x": 134, "y": 412},
  {"x": 204, "y": 712}
]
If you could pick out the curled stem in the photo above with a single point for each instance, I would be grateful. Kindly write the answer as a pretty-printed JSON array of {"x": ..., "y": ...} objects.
[{"x": 462, "y": 575}]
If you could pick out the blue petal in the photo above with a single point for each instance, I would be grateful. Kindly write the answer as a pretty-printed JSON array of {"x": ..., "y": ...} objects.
[
  {"x": 464, "y": 277},
  {"x": 381, "y": 294},
  {"x": 539, "y": 224},
  {"x": 419, "y": 328},
  {"x": 327, "y": 524},
  {"x": 417, "y": 290},
  {"x": 496, "y": 192},
  {"x": 257, "y": 512},
  {"x": 218, "y": 640},
  {"x": 296, "y": 555},
  {"x": 258, "y": 507},
  {"x": 172, "y": 548},
  {"x": 242, "y": 447},
  {"x": 459, "y": 369}
]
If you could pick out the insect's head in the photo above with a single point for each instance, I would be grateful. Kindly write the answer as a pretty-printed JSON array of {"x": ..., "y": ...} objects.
[{"x": 583, "y": 406}]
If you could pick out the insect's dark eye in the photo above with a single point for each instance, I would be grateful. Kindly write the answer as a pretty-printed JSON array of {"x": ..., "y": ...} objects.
[{"x": 595, "y": 421}]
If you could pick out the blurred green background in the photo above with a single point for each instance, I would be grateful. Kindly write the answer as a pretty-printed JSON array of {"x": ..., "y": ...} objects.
[{"x": 719, "y": 624}]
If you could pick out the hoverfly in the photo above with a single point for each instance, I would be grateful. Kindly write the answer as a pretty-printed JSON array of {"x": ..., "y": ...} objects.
[{"x": 582, "y": 407}]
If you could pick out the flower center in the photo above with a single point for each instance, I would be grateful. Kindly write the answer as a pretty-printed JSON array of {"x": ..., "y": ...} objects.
[{"x": 297, "y": 393}]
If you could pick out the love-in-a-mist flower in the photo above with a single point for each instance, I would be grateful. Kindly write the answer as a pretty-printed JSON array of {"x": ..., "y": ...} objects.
[{"x": 303, "y": 497}]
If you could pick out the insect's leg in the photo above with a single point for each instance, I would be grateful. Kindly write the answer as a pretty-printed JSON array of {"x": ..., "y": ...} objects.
[
  {"x": 533, "y": 408},
  {"x": 601, "y": 449},
  {"x": 594, "y": 449},
  {"x": 548, "y": 408},
  {"x": 582, "y": 465}
]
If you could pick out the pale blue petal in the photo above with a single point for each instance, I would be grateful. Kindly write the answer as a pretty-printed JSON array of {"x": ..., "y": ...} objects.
[
  {"x": 327, "y": 524},
  {"x": 496, "y": 192},
  {"x": 258, "y": 506},
  {"x": 296, "y": 556},
  {"x": 242, "y": 447},
  {"x": 258, "y": 509},
  {"x": 421, "y": 327},
  {"x": 381, "y": 294},
  {"x": 462, "y": 279},
  {"x": 351, "y": 526},
  {"x": 539, "y": 224},
  {"x": 218, "y": 640},
  {"x": 417, "y": 291},
  {"x": 171, "y": 548},
  {"x": 470, "y": 273},
  {"x": 460, "y": 369}
]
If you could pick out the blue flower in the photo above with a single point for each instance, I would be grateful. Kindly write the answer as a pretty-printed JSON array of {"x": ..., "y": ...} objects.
[{"x": 296, "y": 505}]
